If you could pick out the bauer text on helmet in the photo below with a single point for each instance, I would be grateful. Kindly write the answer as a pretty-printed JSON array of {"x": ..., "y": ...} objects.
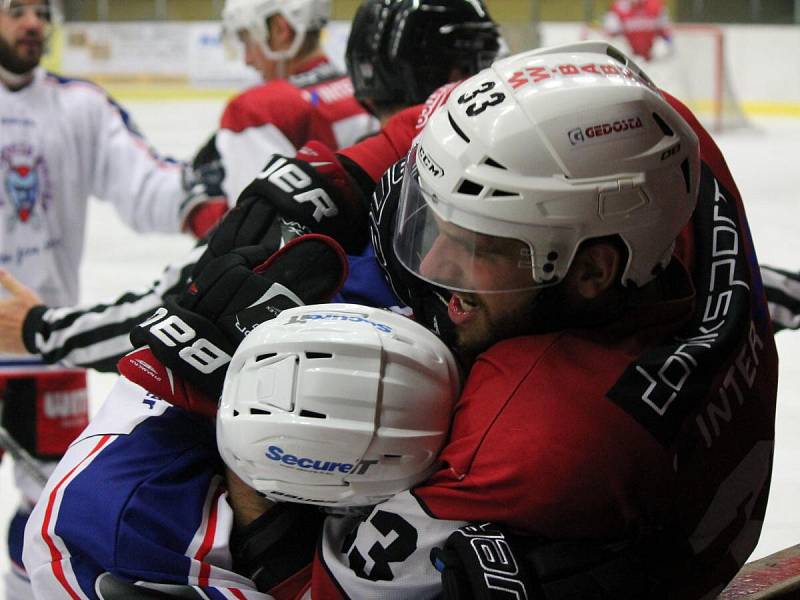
[{"x": 533, "y": 156}]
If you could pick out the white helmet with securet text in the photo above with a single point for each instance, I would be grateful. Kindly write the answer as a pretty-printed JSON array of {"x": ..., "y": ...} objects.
[{"x": 337, "y": 405}]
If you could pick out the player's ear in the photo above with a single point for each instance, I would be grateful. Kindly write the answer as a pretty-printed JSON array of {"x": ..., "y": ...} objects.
[{"x": 595, "y": 269}]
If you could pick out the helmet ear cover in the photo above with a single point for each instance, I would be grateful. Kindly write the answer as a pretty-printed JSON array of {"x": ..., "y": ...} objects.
[{"x": 337, "y": 405}]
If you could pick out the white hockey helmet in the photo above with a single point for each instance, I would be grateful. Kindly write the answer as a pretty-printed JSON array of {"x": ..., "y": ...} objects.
[
  {"x": 251, "y": 16},
  {"x": 544, "y": 150},
  {"x": 336, "y": 405}
]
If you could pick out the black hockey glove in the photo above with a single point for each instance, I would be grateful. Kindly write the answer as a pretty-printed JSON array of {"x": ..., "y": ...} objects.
[
  {"x": 312, "y": 193},
  {"x": 429, "y": 302},
  {"x": 484, "y": 562},
  {"x": 196, "y": 332}
]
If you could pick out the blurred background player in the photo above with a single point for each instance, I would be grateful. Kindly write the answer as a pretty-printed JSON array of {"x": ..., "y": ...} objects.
[
  {"x": 642, "y": 23},
  {"x": 304, "y": 96},
  {"x": 62, "y": 141},
  {"x": 404, "y": 51}
]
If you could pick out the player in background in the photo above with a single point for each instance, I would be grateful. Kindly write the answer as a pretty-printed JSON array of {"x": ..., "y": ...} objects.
[
  {"x": 641, "y": 22},
  {"x": 389, "y": 58},
  {"x": 620, "y": 458},
  {"x": 62, "y": 141},
  {"x": 304, "y": 95}
]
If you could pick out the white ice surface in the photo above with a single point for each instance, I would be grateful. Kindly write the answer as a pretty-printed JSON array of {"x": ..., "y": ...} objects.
[{"x": 763, "y": 161}]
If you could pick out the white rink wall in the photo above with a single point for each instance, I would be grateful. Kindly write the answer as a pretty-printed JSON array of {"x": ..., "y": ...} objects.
[{"x": 760, "y": 61}]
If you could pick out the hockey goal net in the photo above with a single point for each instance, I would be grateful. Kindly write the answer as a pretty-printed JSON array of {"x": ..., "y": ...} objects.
[{"x": 693, "y": 69}]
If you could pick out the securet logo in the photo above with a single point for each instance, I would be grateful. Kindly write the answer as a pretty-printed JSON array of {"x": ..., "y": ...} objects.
[
  {"x": 313, "y": 317},
  {"x": 307, "y": 463}
]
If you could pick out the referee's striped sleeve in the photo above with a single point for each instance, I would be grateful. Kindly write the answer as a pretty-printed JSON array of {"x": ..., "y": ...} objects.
[{"x": 783, "y": 296}]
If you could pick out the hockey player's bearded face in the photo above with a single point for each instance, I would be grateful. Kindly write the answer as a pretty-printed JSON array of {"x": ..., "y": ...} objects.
[
  {"x": 483, "y": 319},
  {"x": 24, "y": 25}
]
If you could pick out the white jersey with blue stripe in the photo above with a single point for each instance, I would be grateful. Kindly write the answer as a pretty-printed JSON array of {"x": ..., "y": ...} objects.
[{"x": 140, "y": 494}]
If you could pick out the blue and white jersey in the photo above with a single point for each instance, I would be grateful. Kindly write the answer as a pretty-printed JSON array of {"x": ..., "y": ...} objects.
[{"x": 140, "y": 494}]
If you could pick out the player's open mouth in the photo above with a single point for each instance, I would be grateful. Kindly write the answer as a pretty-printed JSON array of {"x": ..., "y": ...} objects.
[{"x": 461, "y": 308}]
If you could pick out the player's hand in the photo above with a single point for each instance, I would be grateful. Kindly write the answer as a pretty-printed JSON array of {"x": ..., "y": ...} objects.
[
  {"x": 14, "y": 307},
  {"x": 196, "y": 333},
  {"x": 313, "y": 193},
  {"x": 205, "y": 203}
]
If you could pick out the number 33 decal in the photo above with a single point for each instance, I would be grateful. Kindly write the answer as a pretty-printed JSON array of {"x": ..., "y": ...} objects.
[{"x": 481, "y": 104}]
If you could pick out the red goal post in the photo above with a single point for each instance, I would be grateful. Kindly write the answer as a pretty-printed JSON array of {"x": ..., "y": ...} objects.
[{"x": 693, "y": 68}]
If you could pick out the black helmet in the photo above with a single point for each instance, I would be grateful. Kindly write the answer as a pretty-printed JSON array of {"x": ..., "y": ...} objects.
[{"x": 399, "y": 51}]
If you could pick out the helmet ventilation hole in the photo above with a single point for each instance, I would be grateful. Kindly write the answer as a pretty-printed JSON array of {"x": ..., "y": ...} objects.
[
  {"x": 687, "y": 177},
  {"x": 493, "y": 163},
  {"x": 503, "y": 193},
  {"x": 313, "y": 355},
  {"x": 663, "y": 125},
  {"x": 312, "y": 415},
  {"x": 616, "y": 55},
  {"x": 261, "y": 357},
  {"x": 259, "y": 411},
  {"x": 552, "y": 255},
  {"x": 470, "y": 188}
]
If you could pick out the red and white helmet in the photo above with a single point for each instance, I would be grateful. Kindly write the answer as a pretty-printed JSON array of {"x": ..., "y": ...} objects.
[
  {"x": 251, "y": 16},
  {"x": 549, "y": 148},
  {"x": 336, "y": 405}
]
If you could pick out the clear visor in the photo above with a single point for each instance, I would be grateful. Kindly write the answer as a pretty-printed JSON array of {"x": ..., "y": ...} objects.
[{"x": 448, "y": 255}]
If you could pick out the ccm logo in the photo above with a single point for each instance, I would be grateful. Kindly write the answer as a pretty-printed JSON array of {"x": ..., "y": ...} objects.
[{"x": 429, "y": 163}]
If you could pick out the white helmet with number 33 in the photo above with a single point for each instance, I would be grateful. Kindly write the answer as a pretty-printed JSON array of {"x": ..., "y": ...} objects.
[
  {"x": 252, "y": 15},
  {"x": 547, "y": 149},
  {"x": 337, "y": 405}
]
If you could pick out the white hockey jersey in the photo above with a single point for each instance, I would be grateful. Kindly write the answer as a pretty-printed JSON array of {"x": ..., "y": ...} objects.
[{"x": 62, "y": 141}]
